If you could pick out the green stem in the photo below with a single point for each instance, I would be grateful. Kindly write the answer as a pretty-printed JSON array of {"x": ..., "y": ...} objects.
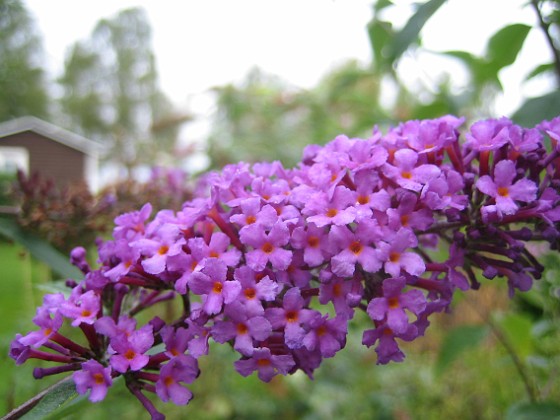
[{"x": 545, "y": 28}]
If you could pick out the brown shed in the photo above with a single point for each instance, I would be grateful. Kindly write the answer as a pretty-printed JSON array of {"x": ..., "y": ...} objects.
[{"x": 34, "y": 145}]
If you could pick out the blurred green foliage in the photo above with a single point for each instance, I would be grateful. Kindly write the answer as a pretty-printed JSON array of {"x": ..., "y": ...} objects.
[{"x": 264, "y": 118}]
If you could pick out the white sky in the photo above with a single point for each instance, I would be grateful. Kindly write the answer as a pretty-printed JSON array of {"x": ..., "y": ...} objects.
[{"x": 200, "y": 44}]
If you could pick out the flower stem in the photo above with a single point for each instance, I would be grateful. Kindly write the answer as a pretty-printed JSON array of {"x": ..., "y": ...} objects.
[
  {"x": 530, "y": 388},
  {"x": 545, "y": 29}
]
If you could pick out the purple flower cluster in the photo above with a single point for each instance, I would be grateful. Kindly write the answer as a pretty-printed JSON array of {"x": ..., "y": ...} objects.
[{"x": 276, "y": 261}]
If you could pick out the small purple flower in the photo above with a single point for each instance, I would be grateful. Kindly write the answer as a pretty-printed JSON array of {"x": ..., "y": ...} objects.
[
  {"x": 128, "y": 257},
  {"x": 252, "y": 211},
  {"x": 211, "y": 282},
  {"x": 370, "y": 196},
  {"x": 242, "y": 328},
  {"x": 313, "y": 241},
  {"x": 445, "y": 191},
  {"x": 504, "y": 191},
  {"x": 254, "y": 289},
  {"x": 430, "y": 135},
  {"x": 407, "y": 214},
  {"x": 198, "y": 343},
  {"x": 393, "y": 304},
  {"x": 407, "y": 174},
  {"x": 339, "y": 210},
  {"x": 327, "y": 335},
  {"x": 292, "y": 316},
  {"x": 94, "y": 376},
  {"x": 456, "y": 259},
  {"x": 107, "y": 326},
  {"x": 167, "y": 243},
  {"x": 388, "y": 349},
  {"x": 176, "y": 340},
  {"x": 396, "y": 258},
  {"x": 523, "y": 140},
  {"x": 130, "y": 350},
  {"x": 354, "y": 248},
  {"x": 267, "y": 247},
  {"x": 266, "y": 364},
  {"x": 81, "y": 307},
  {"x": 488, "y": 134},
  {"x": 344, "y": 295},
  {"x": 180, "y": 369},
  {"x": 131, "y": 226},
  {"x": 218, "y": 247},
  {"x": 50, "y": 323}
]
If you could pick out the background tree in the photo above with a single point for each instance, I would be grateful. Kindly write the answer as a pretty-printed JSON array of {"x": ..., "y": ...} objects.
[
  {"x": 22, "y": 79},
  {"x": 111, "y": 92}
]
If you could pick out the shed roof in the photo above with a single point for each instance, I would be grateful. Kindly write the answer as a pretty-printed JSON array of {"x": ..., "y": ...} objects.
[{"x": 51, "y": 131}]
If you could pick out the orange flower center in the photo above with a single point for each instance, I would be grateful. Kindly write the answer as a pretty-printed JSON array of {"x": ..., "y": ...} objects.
[
  {"x": 406, "y": 174},
  {"x": 98, "y": 378},
  {"x": 393, "y": 302},
  {"x": 404, "y": 219},
  {"x": 331, "y": 212},
  {"x": 356, "y": 247},
  {"x": 363, "y": 199},
  {"x": 337, "y": 290},
  {"x": 130, "y": 354},
  {"x": 503, "y": 191},
  {"x": 250, "y": 293},
  {"x": 267, "y": 247},
  {"x": 163, "y": 250},
  {"x": 241, "y": 329},
  {"x": 250, "y": 219},
  {"x": 217, "y": 288},
  {"x": 263, "y": 362},
  {"x": 291, "y": 316},
  {"x": 394, "y": 256},
  {"x": 313, "y": 241}
]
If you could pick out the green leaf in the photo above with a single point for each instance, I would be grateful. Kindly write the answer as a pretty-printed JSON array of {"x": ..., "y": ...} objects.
[
  {"x": 466, "y": 57},
  {"x": 380, "y": 34},
  {"x": 504, "y": 46},
  {"x": 55, "y": 399},
  {"x": 535, "y": 110},
  {"x": 540, "y": 69},
  {"x": 381, "y": 4},
  {"x": 456, "y": 342},
  {"x": 411, "y": 31},
  {"x": 534, "y": 411},
  {"x": 39, "y": 248}
]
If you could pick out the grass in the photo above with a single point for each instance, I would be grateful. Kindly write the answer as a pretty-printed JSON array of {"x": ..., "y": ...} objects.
[{"x": 481, "y": 384}]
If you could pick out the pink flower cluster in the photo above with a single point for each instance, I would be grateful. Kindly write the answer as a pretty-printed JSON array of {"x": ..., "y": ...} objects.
[{"x": 276, "y": 261}]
